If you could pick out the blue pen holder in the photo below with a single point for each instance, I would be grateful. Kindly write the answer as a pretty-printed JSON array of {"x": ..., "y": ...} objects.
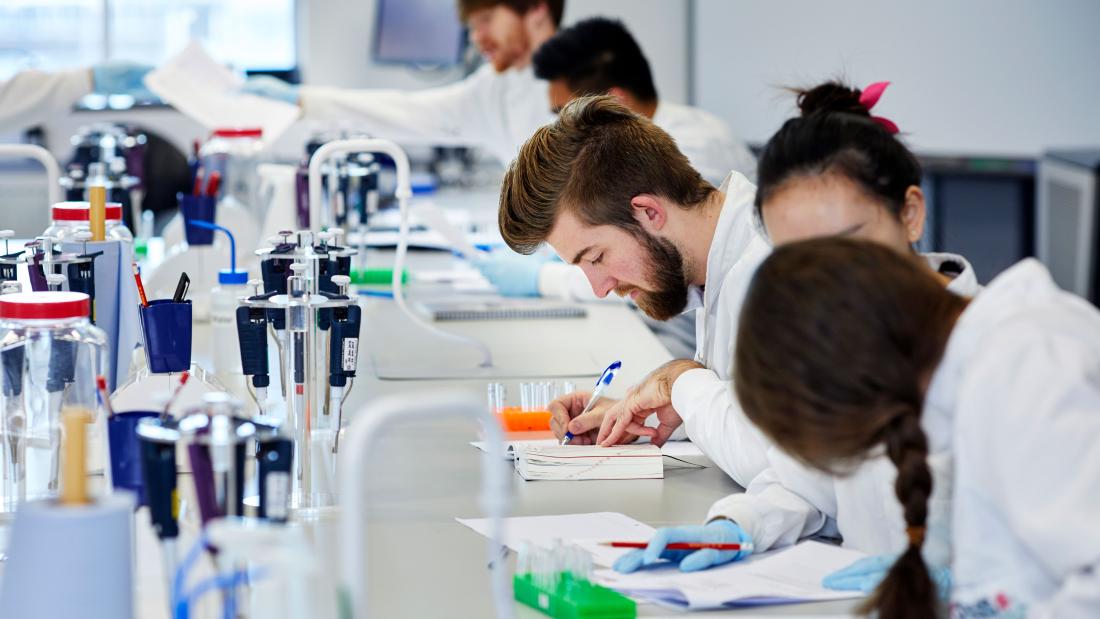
[
  {"x": 197, "y": 208},
  {"x": 126, "y": 472},
  {"x": 166, "y": 326}
]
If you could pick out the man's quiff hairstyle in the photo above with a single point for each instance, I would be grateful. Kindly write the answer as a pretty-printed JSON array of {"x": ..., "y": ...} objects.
[{"x": 592, "y": 161}]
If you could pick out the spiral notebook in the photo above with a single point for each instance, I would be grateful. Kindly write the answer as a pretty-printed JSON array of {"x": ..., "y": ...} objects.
[{"x": 507, "y": 309}]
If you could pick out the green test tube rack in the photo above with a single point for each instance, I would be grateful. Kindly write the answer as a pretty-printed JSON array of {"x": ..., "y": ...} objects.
[
  {"x": 573, "y": 598},
  {"x": 376, "y": 277}
]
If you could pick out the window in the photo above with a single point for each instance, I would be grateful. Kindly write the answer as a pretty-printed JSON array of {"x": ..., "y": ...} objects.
[{"x": 60, "y": 34}]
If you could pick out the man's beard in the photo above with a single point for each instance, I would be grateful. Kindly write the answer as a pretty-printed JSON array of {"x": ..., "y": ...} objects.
[{"x": 666, "y": 274}]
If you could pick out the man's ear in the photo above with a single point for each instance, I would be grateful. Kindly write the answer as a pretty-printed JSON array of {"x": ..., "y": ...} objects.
[
  {"x": 537, "y": 14},
  {"x": 649, "y": 212},
  {"x": 619, "y": 94},
  {"x": 913, "y": 213}
]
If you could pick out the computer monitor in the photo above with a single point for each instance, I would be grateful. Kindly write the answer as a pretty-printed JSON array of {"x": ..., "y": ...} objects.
[{"x": 418, "y": 32}]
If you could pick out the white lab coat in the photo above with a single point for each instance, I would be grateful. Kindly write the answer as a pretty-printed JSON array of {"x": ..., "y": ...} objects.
[
  {"x": 32, "y": 97},
  {"x": 1012, "y": 414},
  {"x": 789, "y": 501},
  {"x": 706, "y": 141},
  {"x": 496, "y": 111},
  {"x": 704, "y": 398}
]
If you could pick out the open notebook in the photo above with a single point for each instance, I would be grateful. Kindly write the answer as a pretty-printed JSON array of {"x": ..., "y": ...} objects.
[{"x": 572, "y": 462}]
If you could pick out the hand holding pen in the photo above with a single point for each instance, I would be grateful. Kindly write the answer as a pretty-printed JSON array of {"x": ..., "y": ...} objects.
[{"x": 602, "y": 383}]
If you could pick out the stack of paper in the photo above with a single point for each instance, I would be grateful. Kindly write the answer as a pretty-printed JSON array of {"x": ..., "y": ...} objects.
[
  {"x": 781, "y": 577},
  {"x": 572, "y": 462}
]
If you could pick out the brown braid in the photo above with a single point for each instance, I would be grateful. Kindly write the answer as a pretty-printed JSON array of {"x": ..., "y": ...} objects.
[{"x": 907, "y": 591}]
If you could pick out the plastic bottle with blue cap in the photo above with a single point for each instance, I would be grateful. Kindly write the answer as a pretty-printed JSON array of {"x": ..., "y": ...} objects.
[{"x": 225, "y": 347}]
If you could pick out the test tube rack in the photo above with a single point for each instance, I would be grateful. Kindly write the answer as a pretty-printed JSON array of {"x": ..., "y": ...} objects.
[
  {"x": 533, "y": 411},
  {"x": 557, "y": 582}
]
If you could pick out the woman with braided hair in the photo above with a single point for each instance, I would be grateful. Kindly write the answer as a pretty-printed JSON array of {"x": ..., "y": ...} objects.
[
  {"x": 836, "y": 169},
  {"x": 847, "y": 349}
]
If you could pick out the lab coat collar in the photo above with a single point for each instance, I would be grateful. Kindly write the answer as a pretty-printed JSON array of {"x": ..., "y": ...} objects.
[
  {"x": 964, "y": 282},
  {"x": 1026, "y": 283},
  {"x": 732, "y": 236}
]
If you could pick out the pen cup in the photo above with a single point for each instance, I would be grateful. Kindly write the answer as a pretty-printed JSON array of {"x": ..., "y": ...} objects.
[
  {"x": 197, "y": 208},
  {"x": 126, "y": 472},
  {"x": 166, "y": 327}
]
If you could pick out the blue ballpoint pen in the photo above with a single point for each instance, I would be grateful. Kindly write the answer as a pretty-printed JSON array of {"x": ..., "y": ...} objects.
[{"x": 601, "y": 383}]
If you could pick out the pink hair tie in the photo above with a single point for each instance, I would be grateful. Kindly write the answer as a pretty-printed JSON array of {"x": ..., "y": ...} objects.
[{"x": 869, "y": 97}]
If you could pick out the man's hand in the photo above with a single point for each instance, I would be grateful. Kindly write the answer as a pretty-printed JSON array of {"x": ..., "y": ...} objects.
[
  {"x": 565, "y": 415},
  {"x": 626, "y": 419}
]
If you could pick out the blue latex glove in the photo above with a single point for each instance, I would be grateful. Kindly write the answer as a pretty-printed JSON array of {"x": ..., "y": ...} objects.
[
  {"x": 121, "y": 77},
  {"x": 271, "y": 88},
  {"x": 514, "y": 275},
  {"x": 866, "y": 574},
  {"x": 719, "y": 531}
]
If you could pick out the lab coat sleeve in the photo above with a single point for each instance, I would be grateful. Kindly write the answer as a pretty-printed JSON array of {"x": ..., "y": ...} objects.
[
  {"x": 782, "y": 505},
  {"x": 32, "y": 97},
  {"x": 714, "y": 420},
  {"x": 465, "y": 112},
  {"x": 1041, "y": 401}
]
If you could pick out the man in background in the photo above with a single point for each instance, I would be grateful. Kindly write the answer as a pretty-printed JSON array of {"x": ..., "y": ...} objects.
[
  {"x": 497, "y": 107},
  {"x": 598, "y": 56}
]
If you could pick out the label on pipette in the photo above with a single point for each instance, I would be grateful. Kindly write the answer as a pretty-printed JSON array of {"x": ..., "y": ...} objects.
[
  {"x": 349, "y": 354},
  {"x": 275, "y": 491}
]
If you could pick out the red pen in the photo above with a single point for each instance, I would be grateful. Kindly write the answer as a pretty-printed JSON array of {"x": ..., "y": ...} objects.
[
  {"x": 681, "y": 546},
  {"x": 101, "y": 384},
  {"x": 197, "y": 189},
  {"x": 175, "y": 394},
  {"x": 212, "y": 185},
  {"x": 141, "y": 289}
]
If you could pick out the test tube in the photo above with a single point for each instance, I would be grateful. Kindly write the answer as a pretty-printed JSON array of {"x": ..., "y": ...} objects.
[
  {"x": 523, "y": 558},
  {"x": 495, "y": 394},
  {"x": 525, "y": 397}
]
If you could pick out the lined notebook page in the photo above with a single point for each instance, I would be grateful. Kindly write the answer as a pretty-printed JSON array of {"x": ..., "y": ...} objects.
[{"x": 572, "y": 462}]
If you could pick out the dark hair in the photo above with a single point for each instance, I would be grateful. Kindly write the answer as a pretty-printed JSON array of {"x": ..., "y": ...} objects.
[
  {"x": 593, "y": 160},
  {"x": 837, "y": 339},
  {"x": 556, "y": 7},
  {"x": 836, "y": 135},
  {"x": 594, "y": 56}
]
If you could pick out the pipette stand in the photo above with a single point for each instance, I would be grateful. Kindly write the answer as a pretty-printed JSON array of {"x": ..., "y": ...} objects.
[{"x": 301, "y": 313}]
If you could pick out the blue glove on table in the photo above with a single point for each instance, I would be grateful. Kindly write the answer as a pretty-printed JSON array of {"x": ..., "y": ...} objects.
[
  {"x": 866, "y": 574},
  {"x": 121, "y": 77},
  {"x": 271, "y": 88},
  {"x": 716, "y": 532},
  {"x": 514, "y": 275}
]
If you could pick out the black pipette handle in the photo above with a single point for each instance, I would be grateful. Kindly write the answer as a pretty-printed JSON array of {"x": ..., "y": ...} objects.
[
  {"x": 275, "y": 458},
  {"x": 158, "y": 465}
]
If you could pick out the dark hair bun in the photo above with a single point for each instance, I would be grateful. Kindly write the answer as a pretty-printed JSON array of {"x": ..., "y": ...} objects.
[{"x": 830, "y": 97}]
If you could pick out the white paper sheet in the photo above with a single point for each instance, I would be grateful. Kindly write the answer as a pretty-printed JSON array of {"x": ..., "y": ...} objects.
[
  {"x": 584, "y": 530},
  {"x": 202, "y": 89},
  {"x": 784, "y": 576}
]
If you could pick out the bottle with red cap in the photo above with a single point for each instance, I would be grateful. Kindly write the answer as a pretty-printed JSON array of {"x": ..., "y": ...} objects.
[
  {"x": 51, "y": 355},
  {"x": 235, "y": 153},
  {"x": 69, "y": 218}
]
